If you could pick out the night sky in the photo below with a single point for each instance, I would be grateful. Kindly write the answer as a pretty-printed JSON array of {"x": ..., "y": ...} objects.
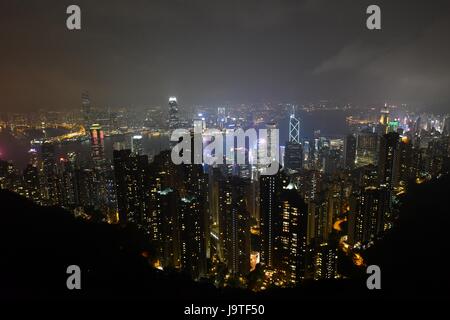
[{"x": 208, "y": 52}]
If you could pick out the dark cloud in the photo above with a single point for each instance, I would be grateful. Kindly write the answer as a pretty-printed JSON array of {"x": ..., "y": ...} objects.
[
  {"x": 351, "y": 57},
  {"x": 140, "y": 52}
]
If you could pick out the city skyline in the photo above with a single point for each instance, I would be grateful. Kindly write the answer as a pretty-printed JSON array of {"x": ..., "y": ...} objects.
[
  {"x": 195, "y": 150},
  {"x": 329, "y": 199}
]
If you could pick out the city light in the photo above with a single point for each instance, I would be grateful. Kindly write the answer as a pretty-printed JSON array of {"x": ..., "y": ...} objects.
[{"x": 189, "y": 151}]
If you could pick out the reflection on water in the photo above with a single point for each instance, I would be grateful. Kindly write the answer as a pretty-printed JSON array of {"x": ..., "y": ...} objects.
[
  {"x": 152, "y": 146},
  {"x": 16, "y": 150},
  {"x": 328, "y": 122}
]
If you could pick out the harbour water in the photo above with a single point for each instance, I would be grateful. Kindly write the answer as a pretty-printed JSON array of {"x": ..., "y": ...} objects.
[{"x": 330, "y": 123}]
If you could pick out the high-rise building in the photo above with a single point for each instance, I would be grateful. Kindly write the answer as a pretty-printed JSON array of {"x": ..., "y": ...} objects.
[
  {"x": 174, "y": 121},
  {"x": 293, "y": 153},
  {"x": 294, "y": 128},
  {"x": 168, "y": 215},
  {"x": 403, "y": 163},
  {"x": 290, "y": 243},
  {"x": 50, "y": 177},
  {"x": 366, "y": 148},
  {"x": 193, "y": 191},
  {"x": 137, "y": 145},
  {"x": 393, "y": 126},
  {"x": 387, "y": 164},
  {"x": 86, "y": 109},
  {"x": 446, "y": 129},
  {"x": 85, "y": 188},
  {"x": 293, "y": 157},
  {"x": 320, "y": 221},
  {"x": 111, "y": 196},
  {"x": 270, "y": 190},
  {"x": 131, "y": 176},
  {"x": 32, "y": 183},
  {"x": 199, "y": 122},
  {"x": 192, "y": 236},
  {"x": 157, "y": 182},
  {"x": 331, "y": 159},
  {"x": 66, "y": 173},
  {"x": 34, "y": 158},
  {"x": 349, "y": 151},
  {"x": 9, "y": 179},
  {"x": 178, "y": 223},
  {"x": 234, "y": 225},
  {"x": 97, "y": 146},
  {"x": 384, "y": 120},
  {"x": 100, "y": 166},
  {"x": 325, "y": 261},
  {"x": 370, "y": 214}
]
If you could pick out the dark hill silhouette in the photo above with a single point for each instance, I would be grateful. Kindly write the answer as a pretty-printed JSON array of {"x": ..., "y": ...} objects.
[
  {"x": 414, "y": 257},
  {"x": 38, "y": 243}
]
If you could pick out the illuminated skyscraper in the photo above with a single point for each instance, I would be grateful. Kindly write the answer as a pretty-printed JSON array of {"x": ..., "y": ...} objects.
[
  {"x": 100, "y": 166},
  {"x": 168, "y": 213},
  {"x": 34, "y": 159},
  {"x": 294, "y": 128},
  {"x": 366, "y": 148},
  {"x": 32, "y": 183},
  {"x": 403, "y": 162},
  {"x": 325, "y": 261},
  {"x": 370, "y": 214},
  {"x": 137, "y": 145},
  {"x": 393, "y": 126},
  {"x": 192, "y": 236},
  {"x": 66, "y": 182},
  {"x": 270, "y": 190},
  {"x": 50, "y": 178},
  {"x": 159, "y": 171},
  {"x": 97, "y": 146},
  {"x": 388, "y": 165},
  {"x": 384, "y": 119},
  {"x": 178, "y": 221},
  {"x": 290, "y": 242},
  {"x": 384, "y": 116},
  {"x": 234, "y": 225},
  {"x": 194, "y": 219},
  {"x": 131, "y": 176},
  {"x": 174, "y": 121}
]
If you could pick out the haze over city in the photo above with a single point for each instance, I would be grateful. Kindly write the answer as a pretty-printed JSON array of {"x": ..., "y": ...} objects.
[{"x": 216, "y": 52}]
